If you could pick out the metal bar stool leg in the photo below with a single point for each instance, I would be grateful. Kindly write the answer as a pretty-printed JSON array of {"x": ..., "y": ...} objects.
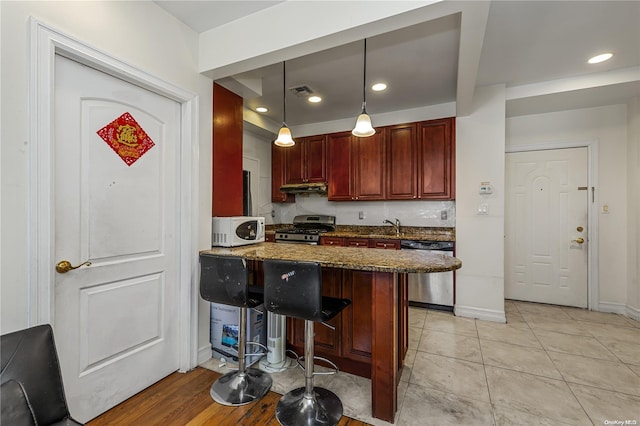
[
  {"x": 309, "y": 405},
  {"x": 245, "y": 385}
]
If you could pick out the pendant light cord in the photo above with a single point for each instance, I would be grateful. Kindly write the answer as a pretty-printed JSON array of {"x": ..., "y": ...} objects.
[
  {"x": 364, "y": 79},
  {"x": 284, "y": 92}
]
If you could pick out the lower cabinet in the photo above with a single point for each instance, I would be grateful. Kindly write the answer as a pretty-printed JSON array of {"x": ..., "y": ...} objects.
[{"x": 349, "y": 344}]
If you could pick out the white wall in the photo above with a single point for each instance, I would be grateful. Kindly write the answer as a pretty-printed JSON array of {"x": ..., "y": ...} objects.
[
  {"x": 139, "y": 33},
  {"x": 480, "y": 147},
  {"x": 607, "y": 125},
  {"x": 633, "y": 217}
]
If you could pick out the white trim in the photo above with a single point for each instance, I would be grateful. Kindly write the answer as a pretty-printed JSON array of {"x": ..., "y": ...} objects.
[
  {"x": 480, "y": 313},
  {"x": 632, "y": 313},
  {"x": 612, "y": 307},
  {"x": 204, "y": 354},
  {"x": 45, "y": 43},
  {"x": 593, "y": 147}
]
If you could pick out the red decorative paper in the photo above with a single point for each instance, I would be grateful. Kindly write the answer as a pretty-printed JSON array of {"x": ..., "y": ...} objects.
[{"x": 127, "y": 139}]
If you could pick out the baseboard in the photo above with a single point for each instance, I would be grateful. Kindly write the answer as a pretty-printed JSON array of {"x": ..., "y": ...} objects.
[
  {"x": 204, "y": 354},
  {"x": 612, "y": 307},
  {"x": 633, "y": 313},
  {"x": 480, "y": 313}
]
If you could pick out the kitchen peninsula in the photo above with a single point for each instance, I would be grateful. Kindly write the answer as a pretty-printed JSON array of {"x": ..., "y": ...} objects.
[{"x": 375, "y": 281}]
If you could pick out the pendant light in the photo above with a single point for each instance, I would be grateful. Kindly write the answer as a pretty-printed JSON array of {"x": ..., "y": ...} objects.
[
  {"x": 284, "y": 135},
  {"x": 363, "y": 127}
]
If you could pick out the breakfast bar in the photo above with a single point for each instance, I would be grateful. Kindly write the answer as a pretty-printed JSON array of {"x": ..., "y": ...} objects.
[{"x": 385, "y": 272}]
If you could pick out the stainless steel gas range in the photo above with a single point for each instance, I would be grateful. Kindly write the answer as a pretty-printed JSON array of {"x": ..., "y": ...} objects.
[{"x": 307, "y": 229}]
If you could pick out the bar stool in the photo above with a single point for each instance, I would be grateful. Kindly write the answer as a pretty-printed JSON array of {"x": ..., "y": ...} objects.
[
  {"x": 225, "y": 280},
  {"x": 294, "y": 289}
]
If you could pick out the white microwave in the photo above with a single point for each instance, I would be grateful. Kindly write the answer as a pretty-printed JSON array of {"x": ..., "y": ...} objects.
[{"x": 234, "y": 231}]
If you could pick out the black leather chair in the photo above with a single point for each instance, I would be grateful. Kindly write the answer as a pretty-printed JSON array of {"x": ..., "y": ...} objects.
[
  {"x": 225, "y": 280},
  {"x": 294, "y": 289},
  {"x": 31, "y": 389}
]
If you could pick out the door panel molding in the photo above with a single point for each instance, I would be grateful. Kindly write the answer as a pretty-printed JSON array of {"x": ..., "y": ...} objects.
[
  {"x": 45, "y": 43},
  {"x": 593, "y": 148}
]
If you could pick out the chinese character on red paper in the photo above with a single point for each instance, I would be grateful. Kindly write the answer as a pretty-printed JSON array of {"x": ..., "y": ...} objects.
[{"x": 127, "y": 139}]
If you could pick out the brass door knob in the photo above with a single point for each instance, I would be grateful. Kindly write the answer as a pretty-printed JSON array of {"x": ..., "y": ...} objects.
[
  {"x": 65, "y": 266},
  {"x": 578, "y": 240}
]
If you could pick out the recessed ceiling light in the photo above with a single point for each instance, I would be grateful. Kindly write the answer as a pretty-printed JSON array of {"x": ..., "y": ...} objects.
[
  {"x": 600, "y": 58},
  {"x": 314, "y": 99},
  {"x": 261, "y": 109},
  {"x": 378, "y": 87}
]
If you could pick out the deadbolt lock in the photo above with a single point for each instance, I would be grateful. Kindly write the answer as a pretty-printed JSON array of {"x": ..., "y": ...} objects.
[{"x": 579, "y": 229}]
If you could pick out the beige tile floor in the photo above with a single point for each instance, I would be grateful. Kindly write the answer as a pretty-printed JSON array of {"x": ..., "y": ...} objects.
[{"x": 548, "y": 365}]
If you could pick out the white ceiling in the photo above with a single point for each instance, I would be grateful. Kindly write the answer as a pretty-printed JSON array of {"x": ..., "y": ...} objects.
[{"x": 538, "y": 49}]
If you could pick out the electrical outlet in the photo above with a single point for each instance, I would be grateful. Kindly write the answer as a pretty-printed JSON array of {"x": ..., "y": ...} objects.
[
  {"x": 360, "y": 215},
  {"x": 443, "y": 215}
]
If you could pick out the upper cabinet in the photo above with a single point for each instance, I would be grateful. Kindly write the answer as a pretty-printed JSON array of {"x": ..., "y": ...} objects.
[
  {"x": 368, "y": 167},
  {"x": 400, "y": 162},
  {"x": 307, "y": 160},
  {"x": 421, "y": 160},
  {"x": 278, "y": 175},
  {"x": 339, "y": 168},
  {"x": 436, "y": 160},
  {"x": 226, "y": 153},
  {"x": 356, "y": 167}
]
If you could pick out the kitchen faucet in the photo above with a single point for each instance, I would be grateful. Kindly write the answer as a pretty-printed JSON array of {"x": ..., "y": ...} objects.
[{"x": 395, "y": 225}]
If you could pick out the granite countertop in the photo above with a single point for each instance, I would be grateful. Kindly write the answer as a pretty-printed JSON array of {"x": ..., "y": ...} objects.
[
  {"x": 345, "y": 257},
  {"x": 385, "y": 232}
]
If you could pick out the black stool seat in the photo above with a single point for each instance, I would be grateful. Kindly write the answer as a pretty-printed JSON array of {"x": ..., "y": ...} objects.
[
  {"x": 294, "y": 289},
  {"x": 332, "y": 306},
  {"x": 225, "y": 280}
]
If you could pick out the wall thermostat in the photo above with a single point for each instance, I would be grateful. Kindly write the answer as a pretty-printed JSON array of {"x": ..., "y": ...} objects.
[{"x": 486, "y": 188}]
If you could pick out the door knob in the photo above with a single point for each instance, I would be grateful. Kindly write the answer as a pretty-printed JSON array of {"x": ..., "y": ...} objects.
[
  {"x": 65, "y": 266},
  {"x": 578, "y": 240}
]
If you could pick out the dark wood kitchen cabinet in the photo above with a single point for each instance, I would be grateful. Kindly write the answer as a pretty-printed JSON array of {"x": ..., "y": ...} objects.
[
  {"x": 332, "y": 241},
  {"x": 357, "y": 242},
  {"x": 402, "y": 161},
  {"x": 369, "y": 174},
  {"x": 357, "y": 320},
  {"x": 421, "y": 160},
  {"x": 436, "y": 160},
  {"x": 226, "y": 186},
  {"x": 339, "y": 166},
  {"x": 307, "y": 160},
  {"x": 278, "y": 175},
  {"x": 355, "y": 167},
  {"x": 384, "y": 244}
]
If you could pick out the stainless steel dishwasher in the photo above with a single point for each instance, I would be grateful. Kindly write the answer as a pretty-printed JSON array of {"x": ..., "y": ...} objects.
[{"x": 434, "y": 290}]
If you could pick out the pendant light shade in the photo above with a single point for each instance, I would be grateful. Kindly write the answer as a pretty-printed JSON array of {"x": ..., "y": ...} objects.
[
  {"x": 284, "y": 138},
  {"x": 363, "y": 126}
]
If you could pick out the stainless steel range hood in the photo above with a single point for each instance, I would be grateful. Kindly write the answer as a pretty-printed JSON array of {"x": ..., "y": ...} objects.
[{"x": 304, "y": 188}]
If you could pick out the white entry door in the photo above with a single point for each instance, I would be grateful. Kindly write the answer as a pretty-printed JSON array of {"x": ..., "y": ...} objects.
[
  {"x": 116, "y": 167},
  {"x": 546, "y": 227}
]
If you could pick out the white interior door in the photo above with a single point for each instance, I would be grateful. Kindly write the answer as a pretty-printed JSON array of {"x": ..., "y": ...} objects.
[
  {"x": 546, "y": 227},
  {"x": 115, "y": 321}
]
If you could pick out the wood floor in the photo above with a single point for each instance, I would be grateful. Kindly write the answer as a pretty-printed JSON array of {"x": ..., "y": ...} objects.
[{"x": 183, "y": 399}]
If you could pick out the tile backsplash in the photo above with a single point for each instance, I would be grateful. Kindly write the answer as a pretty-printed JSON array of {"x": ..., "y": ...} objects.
[{"x": 410, "y": 213}]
